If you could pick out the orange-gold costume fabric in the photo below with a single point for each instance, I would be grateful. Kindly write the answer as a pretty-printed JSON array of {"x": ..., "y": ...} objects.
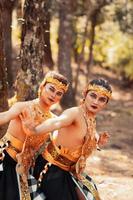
[
  {"x": 14, "y": 145},
  {"x": 33, "y": 142},
  {"x": 31, "y": 146},
  {"x": 61, "y": 156}
]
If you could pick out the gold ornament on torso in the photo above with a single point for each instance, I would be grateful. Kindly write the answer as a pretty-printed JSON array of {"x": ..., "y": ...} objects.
[{"x": 33, "y": 143}]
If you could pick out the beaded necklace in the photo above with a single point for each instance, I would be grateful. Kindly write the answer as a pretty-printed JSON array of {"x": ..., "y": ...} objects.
[
  {"x": 90, "y": 134},
  {"x": 89, "y": 141}
]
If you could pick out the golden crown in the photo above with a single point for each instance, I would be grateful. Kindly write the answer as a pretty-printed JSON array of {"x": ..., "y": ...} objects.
[
  {"x": 100, "y": 89},
  {"x": 56, "y": 82}
]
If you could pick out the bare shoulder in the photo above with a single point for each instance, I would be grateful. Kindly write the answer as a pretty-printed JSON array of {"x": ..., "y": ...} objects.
[
  {"x": 74, "y": 111},
  {"x": 21, "y": 105},
  {"x": 53, "y": 114}
]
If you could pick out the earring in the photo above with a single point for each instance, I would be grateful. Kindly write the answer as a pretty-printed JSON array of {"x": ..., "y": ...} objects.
[{"x": 82, "y": 101}]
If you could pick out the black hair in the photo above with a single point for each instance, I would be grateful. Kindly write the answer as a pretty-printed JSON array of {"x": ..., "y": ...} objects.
[
  {"x": 57, "y": 76},
  {"x": 101, "y": 82}
]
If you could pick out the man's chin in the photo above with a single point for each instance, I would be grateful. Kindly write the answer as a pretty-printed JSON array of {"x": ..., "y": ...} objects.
[
  {"x": 94, "y": 111},
  {"x": 47, "y": 103},
  {"x": 50, "y": 103}
]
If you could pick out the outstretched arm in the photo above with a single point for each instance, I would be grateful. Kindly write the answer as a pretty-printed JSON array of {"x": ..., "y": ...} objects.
[
  {"x": 65, "y": 119},
  {"x": 12, "y": 113}
]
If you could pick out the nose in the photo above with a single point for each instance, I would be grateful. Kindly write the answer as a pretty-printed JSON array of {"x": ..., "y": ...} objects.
[
  {"x": 96, "y": 101},
  {"x": 53, "y": 95}
]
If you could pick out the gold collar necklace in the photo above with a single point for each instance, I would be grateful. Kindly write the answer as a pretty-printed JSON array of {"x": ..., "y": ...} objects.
[{"x": 91, "y": 129}]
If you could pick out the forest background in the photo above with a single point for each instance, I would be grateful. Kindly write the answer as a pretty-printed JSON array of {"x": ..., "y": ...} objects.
[{"x": 82, "y": 39}]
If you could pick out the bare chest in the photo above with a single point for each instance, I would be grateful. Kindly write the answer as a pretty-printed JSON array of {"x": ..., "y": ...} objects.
[
  {"x": 15, "y": 129},
  {"x": 71, "y": 136}
]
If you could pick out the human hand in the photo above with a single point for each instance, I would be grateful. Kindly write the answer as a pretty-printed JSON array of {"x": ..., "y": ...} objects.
[
  {"x": 29, "y": 127},
  {"x": 28, "y": 121},
  {"x": 103, "y": 138}
]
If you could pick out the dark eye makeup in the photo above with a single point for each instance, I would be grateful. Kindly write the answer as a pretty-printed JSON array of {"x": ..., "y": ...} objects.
[
  {"x": 58, "y": 93},
  {"x": 100, "y": 99}
]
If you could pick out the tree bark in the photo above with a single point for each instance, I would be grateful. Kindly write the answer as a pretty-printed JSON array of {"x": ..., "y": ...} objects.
[
  {"x": 7, "y": 16},
  {"x": 3, "y": 77},
  {"x": 65, "y": 46},
  {"x": 81, "y": 55},
  {"x": 32, "y": 50},
  {"x": 92, "y": 39},
  {"x": 48, "y": 61}
]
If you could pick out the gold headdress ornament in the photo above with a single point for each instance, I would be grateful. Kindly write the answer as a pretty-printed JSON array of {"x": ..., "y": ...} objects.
[
  {"x": 99, "y": 89},
  {"x": 56, "y": 82}
]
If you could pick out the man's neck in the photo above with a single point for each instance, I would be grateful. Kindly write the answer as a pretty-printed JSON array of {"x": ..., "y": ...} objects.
[
  {"x": 88, "y": 113},
  {"x": 43, "y": 106}
]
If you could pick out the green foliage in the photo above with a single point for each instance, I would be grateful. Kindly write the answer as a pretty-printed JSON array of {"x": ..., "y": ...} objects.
[
  {"x": 125, "y": 58},
  {"x": 124, "y": 15},
  {"x": 114, "y": 42},
  {"x": 114, "y": 49}
]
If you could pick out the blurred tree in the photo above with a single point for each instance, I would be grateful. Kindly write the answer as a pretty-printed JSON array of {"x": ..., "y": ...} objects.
[
  {"x": 80, "y": 57},
  {"x": 8, "y": 6},
  {"x": 114, "y": 44},
  {"x": 32, "y": 49},
  {"x": 65, "y": 47},
  {"x": 124, "y": 60},
  {"x": 124, "y": 15},
  {"x": 93, "y": 10},
  {"x": 48, "y": 61},
  {"x": 96, "y": 18},
  {"x": 3, "y": 77}
]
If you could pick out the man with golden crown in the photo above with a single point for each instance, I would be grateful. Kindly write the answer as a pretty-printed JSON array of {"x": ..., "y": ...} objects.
[
  {"x": 15, "y": 140},
  {"x": 60, "y": 167}
]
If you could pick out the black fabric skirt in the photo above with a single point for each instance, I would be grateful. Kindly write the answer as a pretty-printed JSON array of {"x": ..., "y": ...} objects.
[
  {"x": 9, "y": 189},
  {"x": 56, "y": 183}
]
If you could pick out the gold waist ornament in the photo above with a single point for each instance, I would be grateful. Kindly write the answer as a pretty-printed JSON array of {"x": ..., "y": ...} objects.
[
  {"x": 12, "y": 145},
  {"x": 52, "y": 155}
]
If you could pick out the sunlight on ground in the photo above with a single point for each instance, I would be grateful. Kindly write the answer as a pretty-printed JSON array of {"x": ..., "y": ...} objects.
[
  {"x": 114, "y": 188},
  {"x": 121, "y": 95},
  {"x": 112, "y": 172}
]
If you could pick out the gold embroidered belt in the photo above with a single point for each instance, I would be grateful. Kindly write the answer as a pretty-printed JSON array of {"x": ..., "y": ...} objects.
[
  {"x": 53, "y": 156},
  {"x": 14, "y": 147}
]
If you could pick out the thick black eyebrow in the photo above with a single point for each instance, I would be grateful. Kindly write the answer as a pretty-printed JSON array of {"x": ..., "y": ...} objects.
[
  {"x": 93, "y": 92},
  {"x": 61, "y": 92},
  {"x": 105, "y": 98},
  {"x": 51, "y": 86}
]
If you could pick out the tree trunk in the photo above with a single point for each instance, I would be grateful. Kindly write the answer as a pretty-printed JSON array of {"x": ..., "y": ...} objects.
[
  {"x": 92, "y": 39},
  {"x": 96, "y": 8},
  {"x": 7, "y": 16},
  {"x": 32, "y": 50},
  {"x": 3, "y": 78},
  {"x": 48, "y": 61},
  {"x": 81, "y": 56},
  {"x": 65, "y": 46}
]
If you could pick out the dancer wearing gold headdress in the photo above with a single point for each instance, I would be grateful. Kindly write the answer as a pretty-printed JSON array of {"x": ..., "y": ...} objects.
[
  {"x": 59, "y": 170},
  {"x": 50, "y": 92}
]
